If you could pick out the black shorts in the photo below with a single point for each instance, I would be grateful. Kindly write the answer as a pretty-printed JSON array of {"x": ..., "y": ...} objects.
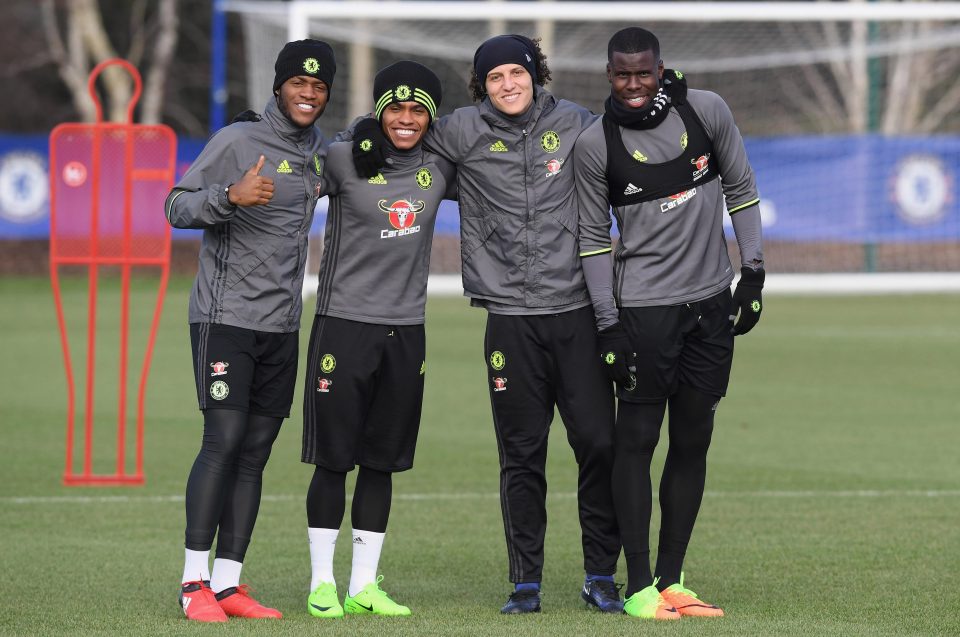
[
  {"x": 362, "y": 394},
  {"x": 690, "y": 344},
  {"x": 245, "y": 370}
]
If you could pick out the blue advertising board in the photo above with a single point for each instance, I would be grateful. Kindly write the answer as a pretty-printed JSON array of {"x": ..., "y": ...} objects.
[
  {"x": 856, "y": 189},
  {"x": 863, "y": 189}
]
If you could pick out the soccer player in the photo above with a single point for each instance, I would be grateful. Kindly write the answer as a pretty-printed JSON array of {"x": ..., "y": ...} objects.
[
  {"x": 669, "y": 162},
  {"x": 252, "y": 190},
  {"x": 366, "y": 366},
  {"x": 519, "y": 251}
]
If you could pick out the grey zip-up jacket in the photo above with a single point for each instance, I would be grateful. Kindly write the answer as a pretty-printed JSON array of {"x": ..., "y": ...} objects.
[
  {"x": 251, "y": 259},
  {"x": 518, "y": 209},
  {"x": 376, "y": 248}
]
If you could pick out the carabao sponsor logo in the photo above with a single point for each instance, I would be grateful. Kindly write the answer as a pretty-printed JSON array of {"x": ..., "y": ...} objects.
[
  {"x": 701, "y": 166},
  {"x": 553, "y": 166},
  {"x": 402, "y": 215},
  {"x": 678, "y": 199}
]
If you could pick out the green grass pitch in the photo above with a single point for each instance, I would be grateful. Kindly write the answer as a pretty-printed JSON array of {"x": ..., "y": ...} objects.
[{"x": 832, "y": 506}]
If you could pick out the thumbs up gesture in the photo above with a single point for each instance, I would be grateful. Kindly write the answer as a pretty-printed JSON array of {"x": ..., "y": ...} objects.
[{"x": 253, "y": 189}]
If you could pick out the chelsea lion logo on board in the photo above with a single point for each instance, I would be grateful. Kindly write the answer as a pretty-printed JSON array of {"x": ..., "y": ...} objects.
[
  {"x": 424, "y": 179},
  {"x": 550, "y": 141},
  {"x": 922, "y": 189}
]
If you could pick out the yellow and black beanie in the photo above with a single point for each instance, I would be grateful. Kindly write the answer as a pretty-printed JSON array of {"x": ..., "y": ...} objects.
[
  {"x": 407, "y": 81},
  {"x": 312, "y": 58}
]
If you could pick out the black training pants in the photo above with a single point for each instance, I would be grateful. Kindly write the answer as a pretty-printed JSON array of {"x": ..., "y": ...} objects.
[{"x": 533, "y": 363}]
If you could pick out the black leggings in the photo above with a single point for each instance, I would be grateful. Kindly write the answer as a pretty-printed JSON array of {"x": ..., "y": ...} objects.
[
  {"x": 223, "y": 490},
  {"x": 326, "y": 499},
  {"x": 681, "y": 486}
]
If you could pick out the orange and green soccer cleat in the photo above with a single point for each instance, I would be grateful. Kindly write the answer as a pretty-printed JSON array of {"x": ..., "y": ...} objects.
[
  {"x": 236, "y": 602},
  {"x": 688, "y": 603},
  {"x": 199, "y": 604},
  {"x": 647, "y": 603}
]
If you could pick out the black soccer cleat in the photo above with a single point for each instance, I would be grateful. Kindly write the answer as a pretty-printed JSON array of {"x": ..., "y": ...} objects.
[
  {"x": 526, "y": 601},
  {"x": 603, "y": 595}
]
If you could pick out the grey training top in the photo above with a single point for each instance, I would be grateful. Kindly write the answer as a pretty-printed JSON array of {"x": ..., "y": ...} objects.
[
  {"x": 251, "y": 259},
  {"x": 518, "y": 215},
  {"x": 376, "y": 246},
  {"x": 672, "y": 250}
]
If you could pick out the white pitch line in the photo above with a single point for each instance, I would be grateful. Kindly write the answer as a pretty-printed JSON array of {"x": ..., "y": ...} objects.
[{"x": 151, "y": 499}]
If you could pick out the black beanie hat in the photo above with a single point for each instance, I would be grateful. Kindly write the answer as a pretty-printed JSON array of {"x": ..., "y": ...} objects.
[
  {"x": 505, "y": 49},
  {"x": 305, "y": 57},
  {"x": 407, "y": 81}
]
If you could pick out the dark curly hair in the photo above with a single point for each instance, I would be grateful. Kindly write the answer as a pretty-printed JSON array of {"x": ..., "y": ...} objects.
[{"x": 476, "y": 86}]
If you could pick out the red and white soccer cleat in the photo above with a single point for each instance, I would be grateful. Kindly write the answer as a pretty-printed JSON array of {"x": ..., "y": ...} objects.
[
  {"x": 236, "y": 602},
  {"x": 199, "y": 603}
]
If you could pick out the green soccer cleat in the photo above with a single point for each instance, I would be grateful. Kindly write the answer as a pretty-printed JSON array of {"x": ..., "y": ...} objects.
[
  {"x": 647, "y": 603},
  {"x": 323, "y": 601},
  {"x": 373, "y": 601}
]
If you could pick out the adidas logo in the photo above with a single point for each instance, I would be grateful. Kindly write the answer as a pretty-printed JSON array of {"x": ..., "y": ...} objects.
[
  {"x": 358, "y": 540},
  {"x": 284, "y": 167},
  {"x": 639, "y": 156},
  {"x": 499, "y": 147},
  {"x": 378, "y": 180},
  {"x": 632, "y": 190},
  {"x": 186, "y": 603}
]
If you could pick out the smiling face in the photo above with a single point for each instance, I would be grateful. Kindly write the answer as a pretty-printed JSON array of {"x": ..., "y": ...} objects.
[
  {"x": 634, "y": 78},
  {"x": 510, "y": 88},
  {"x": 302, "y": 99},
  {"x": 404, "y": 123}
]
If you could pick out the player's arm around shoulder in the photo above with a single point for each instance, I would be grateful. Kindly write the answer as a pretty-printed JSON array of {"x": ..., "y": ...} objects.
[
  {"x": 337, "y": 168},
  {"x": 584, "y": 116},
  {"x": 447, "y": 171},
  {"x": 593, "y": 204},
  {"x": 447, "y": 133},
  {"x": 201, "y": 198},
  {"x": 738, "y": 180}
]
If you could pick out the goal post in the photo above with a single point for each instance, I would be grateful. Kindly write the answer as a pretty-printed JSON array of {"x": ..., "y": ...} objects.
[{"x": 850, "y": 110}]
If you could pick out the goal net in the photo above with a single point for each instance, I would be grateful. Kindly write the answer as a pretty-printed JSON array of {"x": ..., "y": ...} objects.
[{"x": 850, "y": 111}]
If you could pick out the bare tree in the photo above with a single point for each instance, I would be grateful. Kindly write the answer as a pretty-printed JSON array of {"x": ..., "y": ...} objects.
[
  {"x": 908, "y": 71},
  {"x": 840, "y": 82},
  {"x": 86, "y": 43},
  {"x": 928, "y": 83}
]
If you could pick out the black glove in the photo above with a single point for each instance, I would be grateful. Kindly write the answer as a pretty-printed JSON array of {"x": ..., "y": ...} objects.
[
  {"x": 617, "y": 355},
  {"x": 675, "y": 86},
  {"x": 748, "y": 299},
  {"x": 368, "y": 147}
]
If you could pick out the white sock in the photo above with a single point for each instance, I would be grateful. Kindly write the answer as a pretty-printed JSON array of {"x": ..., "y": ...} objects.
[
  {"x": 322, "y": 544},
  {"x": 226, "y": 573},
  {"x": 366, "y": 557},
  {"x": 196, "y": 566}
]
